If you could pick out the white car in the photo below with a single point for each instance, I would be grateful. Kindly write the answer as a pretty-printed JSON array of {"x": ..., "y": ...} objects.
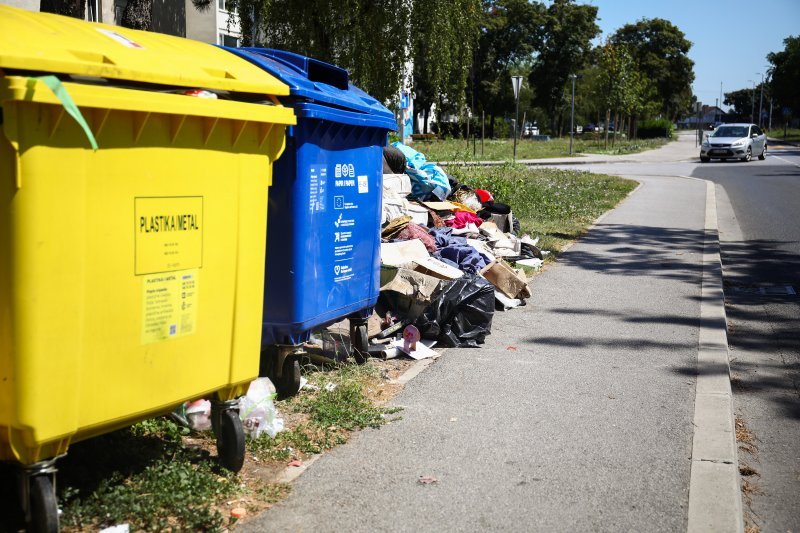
[{"x": 734, "y": 141}]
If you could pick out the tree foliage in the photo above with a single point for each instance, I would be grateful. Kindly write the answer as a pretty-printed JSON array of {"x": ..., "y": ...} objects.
[
  {"x": 742, "y": 101},
  {"x": 509, "y": 33},
  {"x": 442, "y": 42},
  {"x": 785, "y": 74},
  {"x": 621, "y": 83},
  {"x": 367, "y": 38},
  {"x": 373, "y": 40},
  {"x": 564, "y": 43},
  {"x": 661, "y": 52}
]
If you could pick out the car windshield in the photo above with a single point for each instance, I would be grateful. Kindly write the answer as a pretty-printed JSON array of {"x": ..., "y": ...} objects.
[{"x": 730, "y": 131}]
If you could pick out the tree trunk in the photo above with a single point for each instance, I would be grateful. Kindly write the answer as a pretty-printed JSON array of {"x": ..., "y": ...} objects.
[
  {"x": 425, "y": 122},
  {"x": 608, "y": 118},
  {"x": 616, "y": 129}
]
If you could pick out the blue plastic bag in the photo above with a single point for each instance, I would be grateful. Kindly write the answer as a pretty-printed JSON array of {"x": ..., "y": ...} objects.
[{"x": 426, "y": 178}]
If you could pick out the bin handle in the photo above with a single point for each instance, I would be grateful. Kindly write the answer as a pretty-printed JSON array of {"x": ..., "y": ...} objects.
[{"x": 55, "y": 85}]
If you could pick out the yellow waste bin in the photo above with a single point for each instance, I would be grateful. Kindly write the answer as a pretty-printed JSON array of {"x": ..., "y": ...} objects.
[{"x": 131, "y": 275}]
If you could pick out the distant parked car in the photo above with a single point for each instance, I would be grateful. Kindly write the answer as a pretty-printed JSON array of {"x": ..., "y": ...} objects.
[
  {"x": 530, "y": 131},
  {"x": 734, "y": 141},
  {"x": 589, "y": 128}
]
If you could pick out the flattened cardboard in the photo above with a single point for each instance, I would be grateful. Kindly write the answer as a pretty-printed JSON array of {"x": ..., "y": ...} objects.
[
  {"x": 403, "y": 252},
  {"x": 440, "y": 206},
  {"x": 438, "y": 269},
  {"x": 506, "y": 279}
]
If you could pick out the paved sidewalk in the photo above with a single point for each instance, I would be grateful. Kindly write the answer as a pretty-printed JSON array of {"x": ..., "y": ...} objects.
[{"x": 577, "y": 414}]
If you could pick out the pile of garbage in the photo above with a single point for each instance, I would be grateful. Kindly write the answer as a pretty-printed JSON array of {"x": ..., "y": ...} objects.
[{"x": 447, "y": 252}]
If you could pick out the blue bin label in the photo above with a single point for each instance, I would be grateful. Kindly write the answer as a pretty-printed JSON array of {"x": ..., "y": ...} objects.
[{"x": 317, "y": 178}]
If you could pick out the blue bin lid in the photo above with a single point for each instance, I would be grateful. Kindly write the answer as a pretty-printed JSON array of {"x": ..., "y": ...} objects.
[{"x": 314, "y": 80}]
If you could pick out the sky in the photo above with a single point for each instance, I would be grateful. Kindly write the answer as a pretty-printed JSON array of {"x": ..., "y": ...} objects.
[{"x": 731, "y": 38}]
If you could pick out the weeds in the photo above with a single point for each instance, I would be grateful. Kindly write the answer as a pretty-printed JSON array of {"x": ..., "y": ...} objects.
[
  {"x": 153, "y": 478},
  {"x": 171, "y": 490},
  {"x": 557, "y": 204}
]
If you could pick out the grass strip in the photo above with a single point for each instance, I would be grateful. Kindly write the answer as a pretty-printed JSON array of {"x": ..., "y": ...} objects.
[
  {"x": 558, "y": 205},
  {"x": 503, "y": 149}
]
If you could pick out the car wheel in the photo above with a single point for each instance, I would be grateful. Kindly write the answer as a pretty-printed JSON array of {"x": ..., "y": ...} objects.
[
  {"x": 763, "y": 155},
  {"x": 704, "y": 159},
  {"x": 748, "y": 155}
]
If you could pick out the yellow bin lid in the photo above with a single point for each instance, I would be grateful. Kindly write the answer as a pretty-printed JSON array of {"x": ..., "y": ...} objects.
[{"x": 44, "y": 42}]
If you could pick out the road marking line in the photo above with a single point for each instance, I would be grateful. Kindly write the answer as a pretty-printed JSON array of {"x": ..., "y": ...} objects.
[
  {"x": 784, "y": 160},
  {"x": 715, "y": 500}
]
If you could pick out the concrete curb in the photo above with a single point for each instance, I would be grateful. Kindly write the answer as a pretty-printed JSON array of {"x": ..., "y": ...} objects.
[{"x": 715, "y": 500}]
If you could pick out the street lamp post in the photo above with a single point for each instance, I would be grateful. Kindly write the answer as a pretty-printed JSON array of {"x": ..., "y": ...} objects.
[
  {"x": 516, "y": 82},
  {"x": 753, "y": 100},
  {"x": 697, "y": 139},
  {"x": 761, "y": 100},
  {"x": 572, "y": 114}
]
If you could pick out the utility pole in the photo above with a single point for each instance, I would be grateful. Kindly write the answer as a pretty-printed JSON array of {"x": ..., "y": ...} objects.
[
  {"x": 753, "y": 100},
  {"x": 572, "y": 115}
]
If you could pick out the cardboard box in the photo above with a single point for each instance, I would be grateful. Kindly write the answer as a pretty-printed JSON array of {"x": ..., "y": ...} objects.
[
  {"x": 438, "y": 269},
  {"x": 410, "y": 292},
  {"x": 506, "y": 279}
]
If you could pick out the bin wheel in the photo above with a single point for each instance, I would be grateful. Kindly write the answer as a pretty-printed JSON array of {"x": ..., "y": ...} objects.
[
  {"x": 43, "y": 506},
  {"x": 360, "y": 342},
  {"x": 230, "y": 441},
  {"x": 289, "y": 383}
]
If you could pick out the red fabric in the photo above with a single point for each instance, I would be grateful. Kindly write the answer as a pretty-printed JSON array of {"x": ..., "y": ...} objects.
[
  {"x": 415, "y": 231},
  {"x": 462, "y": 218},
  {"x": 484, "y": 195}
]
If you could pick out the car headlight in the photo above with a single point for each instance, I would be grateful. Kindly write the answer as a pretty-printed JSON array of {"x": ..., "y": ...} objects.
[
  {"x": 705, "y": 142},
  {"x": 740, "y": 142}
]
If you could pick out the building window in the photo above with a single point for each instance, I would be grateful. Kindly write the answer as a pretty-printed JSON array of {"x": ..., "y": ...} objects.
[
  {"x": 228, "y": 40},
  {"x": 119, "y": 10}
]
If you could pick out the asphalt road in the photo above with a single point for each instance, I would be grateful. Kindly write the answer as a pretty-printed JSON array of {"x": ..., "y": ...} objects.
[{"x": 760, "y": 242}]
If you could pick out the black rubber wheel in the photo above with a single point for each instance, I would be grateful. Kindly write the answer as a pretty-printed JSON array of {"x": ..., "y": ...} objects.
[
  {"x": 289, "y": 383},
  {"x": 43, "y": 505},
  {"x": 705, "y": 159},
  {"x": 763, "y": 155},
  {"x": 230, "y": 441},
  {"x": 360, "y": 343},
  {"x": 748, "y": 155}
]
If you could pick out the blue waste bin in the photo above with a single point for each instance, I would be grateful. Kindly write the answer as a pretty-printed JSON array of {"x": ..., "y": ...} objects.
[{"x": 324, "y": 213}]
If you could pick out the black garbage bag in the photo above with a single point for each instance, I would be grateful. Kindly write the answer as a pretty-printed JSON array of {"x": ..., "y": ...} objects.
[
  {"x": 461, "y": 315},
  {"x": 394, "y": 161}
]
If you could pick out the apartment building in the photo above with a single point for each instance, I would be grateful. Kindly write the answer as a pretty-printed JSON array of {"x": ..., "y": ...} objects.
[{"x": 174, "y": 17}]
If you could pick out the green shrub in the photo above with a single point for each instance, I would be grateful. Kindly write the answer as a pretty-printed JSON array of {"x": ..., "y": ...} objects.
[{"x": 654, "y": 128}]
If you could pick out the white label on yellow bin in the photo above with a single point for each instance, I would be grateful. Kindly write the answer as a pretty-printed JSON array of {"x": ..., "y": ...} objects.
[
  {"x": 121, "y": 39},
  {"x": 169, "y": 233},
  {"x": 169, "y": 305}
]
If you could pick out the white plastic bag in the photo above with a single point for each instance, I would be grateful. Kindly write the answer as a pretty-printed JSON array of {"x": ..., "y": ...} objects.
[
  {"x": 198, "y": 413},
  {"x": 257, "y": 410}
]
